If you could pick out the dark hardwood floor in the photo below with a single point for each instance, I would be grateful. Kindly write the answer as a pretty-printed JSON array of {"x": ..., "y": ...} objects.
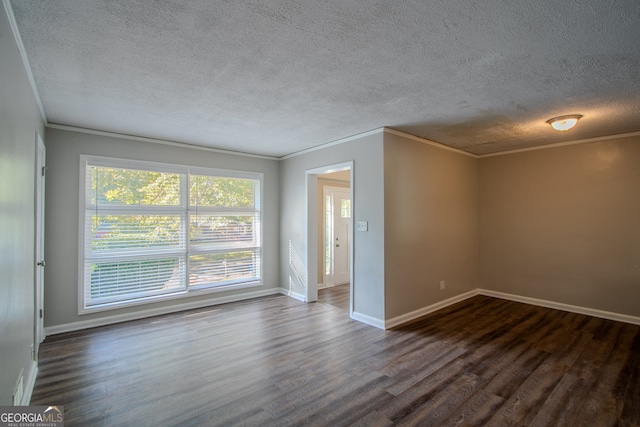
[
  {"x": 277, "y": 361},
  {"x": 335, "y": 296}
]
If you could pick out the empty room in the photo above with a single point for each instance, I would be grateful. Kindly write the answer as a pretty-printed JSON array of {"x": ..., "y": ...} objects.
[{"x": 298, "y": 213}]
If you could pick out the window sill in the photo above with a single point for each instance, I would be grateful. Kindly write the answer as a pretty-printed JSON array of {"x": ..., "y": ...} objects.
[{"x": 176, "y": 296}]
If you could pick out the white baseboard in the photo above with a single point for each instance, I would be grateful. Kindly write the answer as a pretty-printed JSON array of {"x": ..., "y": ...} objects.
[
  {"x": 372, "y": 321},
  {"x": 527, "y": 300},
  {"x": 404, "y": 318},
  {"x": 108, "y": 320},
  {"x": 378, "y": 323},
  {"x": 295, "y": 295},
  {"x": 29, "y": 384},
  {"x": 564, "y": 307}
]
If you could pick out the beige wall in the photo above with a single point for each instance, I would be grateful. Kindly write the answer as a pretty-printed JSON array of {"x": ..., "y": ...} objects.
[
  {"x": 431, "y": 224},
  {"x": 344, "y": 176},
  {"x": 563, "y": 224}
]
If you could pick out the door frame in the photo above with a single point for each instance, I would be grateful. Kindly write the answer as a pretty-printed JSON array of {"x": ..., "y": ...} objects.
[
  {"x": 312, "y": 228},
  {"x": 39, "y": 219},
  {"x": 333, "y": 190}
]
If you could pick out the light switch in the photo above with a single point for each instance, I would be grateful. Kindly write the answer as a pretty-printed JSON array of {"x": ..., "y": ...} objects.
[{"x": 362, "y": 226}]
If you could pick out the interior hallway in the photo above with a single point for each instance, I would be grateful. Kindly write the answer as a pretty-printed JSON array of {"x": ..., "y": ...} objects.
[{"x": 335, "y": 296}]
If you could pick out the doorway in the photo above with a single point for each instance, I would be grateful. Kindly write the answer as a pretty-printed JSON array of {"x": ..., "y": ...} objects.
[
  {"x": 330, "y": 235},
  {"x": 336, "y": 242}
]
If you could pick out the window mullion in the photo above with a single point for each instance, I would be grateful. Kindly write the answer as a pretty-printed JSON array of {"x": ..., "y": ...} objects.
[
  {"x": 131, "y": 252},
  {"x": 186, "y": 222}
]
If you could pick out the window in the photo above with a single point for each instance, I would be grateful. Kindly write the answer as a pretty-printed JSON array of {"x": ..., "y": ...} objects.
[
  {"x": 345, "y": 208},
  {"x": 156, "y": 230}
]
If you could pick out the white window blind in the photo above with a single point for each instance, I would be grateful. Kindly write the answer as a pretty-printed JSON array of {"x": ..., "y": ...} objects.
[
  {"x": 224, "y": 224},
  {"x": 153, "y": 230}
]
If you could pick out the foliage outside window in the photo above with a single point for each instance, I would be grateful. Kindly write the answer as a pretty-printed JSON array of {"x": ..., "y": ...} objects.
[{"x": 154, "y": 230}]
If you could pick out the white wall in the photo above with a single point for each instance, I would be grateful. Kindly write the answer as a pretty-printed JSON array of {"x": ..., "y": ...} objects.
[
  {"x": 368, "y": 205},
  {"x": 64, "y": 149},
  {"x": 20, "y": 119}
]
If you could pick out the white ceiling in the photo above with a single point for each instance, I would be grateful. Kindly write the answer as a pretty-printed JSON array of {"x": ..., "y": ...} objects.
[{"x": 280, "y": 76}]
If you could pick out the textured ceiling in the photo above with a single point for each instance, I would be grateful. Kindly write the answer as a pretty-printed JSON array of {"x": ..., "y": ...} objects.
[{"x": 280, "y": 76}]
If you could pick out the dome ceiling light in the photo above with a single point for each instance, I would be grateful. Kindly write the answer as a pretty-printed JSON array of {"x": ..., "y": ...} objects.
[{"x": 563, "y": 123}]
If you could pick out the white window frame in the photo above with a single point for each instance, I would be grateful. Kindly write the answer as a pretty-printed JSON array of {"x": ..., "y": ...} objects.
[{"x": 184, "y": 209}]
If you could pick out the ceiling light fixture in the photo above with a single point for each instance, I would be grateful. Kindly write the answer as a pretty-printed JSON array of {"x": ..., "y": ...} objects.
[{"x": 563, "y": 123}]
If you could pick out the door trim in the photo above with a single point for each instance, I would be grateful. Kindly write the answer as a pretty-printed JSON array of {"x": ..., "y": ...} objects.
[
  {"x": 39, "y": 254},
  {"x": 329, "y": 280},
  {"x": 312, "y": 228}
]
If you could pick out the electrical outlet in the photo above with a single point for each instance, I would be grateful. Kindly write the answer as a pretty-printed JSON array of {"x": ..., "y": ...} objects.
[{"x": 442, "y": 285}]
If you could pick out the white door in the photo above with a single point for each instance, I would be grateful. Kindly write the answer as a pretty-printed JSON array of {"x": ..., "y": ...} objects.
[
  {"x": 337, "y": 235},
  {"x": 39, "y": 246}
]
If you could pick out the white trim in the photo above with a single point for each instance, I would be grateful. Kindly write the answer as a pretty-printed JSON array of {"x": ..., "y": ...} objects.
[
  {"x": 408, "y": 317},
  {"x": 311, "y": 232},
  {"x": 564, "y": 307},
  {"x": 405, "y": 318},
  {"x": 294, "y": 295},
  {"x": 352, "y": 274},
  {"x": 141, "y": 314},
  {"x": 369, "y": 320},
  {"x": 157, "y": 141},
  {"x": 82, "y": 211},
  {"x": 23, "y": 54},
  {"x": 322, "y": 146},
  {"x": 562, "y": 144},
  {"x": 519, "y": 150},
  {"x": 29, "y": 384},
  {"x": 39, "y": 231},
  {"x": 332, "y": 143},
  {"x": 179, "y": 251},
  {"x": 428, "y": 142}
]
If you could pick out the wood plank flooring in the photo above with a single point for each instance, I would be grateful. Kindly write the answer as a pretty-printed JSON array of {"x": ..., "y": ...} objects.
[
  {"x": 275, "y": 361},
  {"x": 335, "y": 296}
]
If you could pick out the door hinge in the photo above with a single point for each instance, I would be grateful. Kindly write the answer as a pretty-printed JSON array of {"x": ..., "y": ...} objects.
[
  {"x": 43, "y": 170},
  {"x": 41, "y": 313}
]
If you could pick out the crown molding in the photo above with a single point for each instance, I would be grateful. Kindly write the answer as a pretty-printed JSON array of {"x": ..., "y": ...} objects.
[
  {"x": 519, "y": 150},
  {"x": 336, "y": 142},
  {"x": 333, "y": 143},
  {"x": 23, "y": 54},
  {"x": 562, "y": 144},
  {"x": 428, "y": 142},
  {"x": 157, "y": 141}
]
